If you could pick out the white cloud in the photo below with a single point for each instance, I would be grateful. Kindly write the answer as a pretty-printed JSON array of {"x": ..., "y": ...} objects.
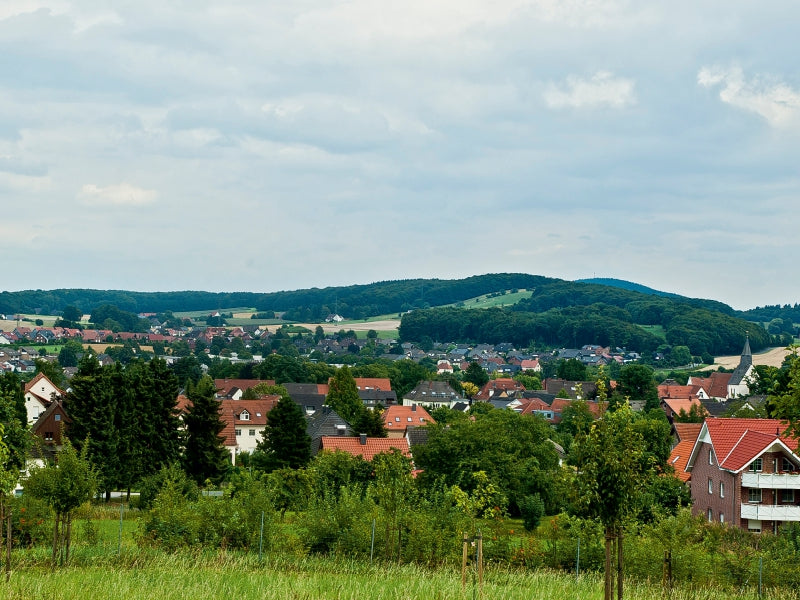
[
  {"x": 603, "y": 89},
  {"x": 773, "y": 100},
  {"x": 123, "y": 194}
]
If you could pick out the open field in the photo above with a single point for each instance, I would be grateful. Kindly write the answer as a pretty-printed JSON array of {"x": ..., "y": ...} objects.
[
  {"x": 386, "y": 325},
  {"x": 772, "y": 357}
]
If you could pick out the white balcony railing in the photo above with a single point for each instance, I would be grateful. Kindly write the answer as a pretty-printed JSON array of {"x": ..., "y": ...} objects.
[
  {"x": 769, "y": 512},
  {"x": 771, "y": 481}
]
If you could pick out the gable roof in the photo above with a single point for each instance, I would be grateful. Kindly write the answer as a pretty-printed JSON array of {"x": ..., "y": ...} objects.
[
  {"x": 368, "y": 449},
  {"x": 737, "y": 442},
  {"x": 715, "y": 385},
  {"x": 400, "y": 417},
  {"x": 31, "y": 385}
]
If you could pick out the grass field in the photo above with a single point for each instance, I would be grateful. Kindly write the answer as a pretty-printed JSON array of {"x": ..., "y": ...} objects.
[
  {"x": 134, "y": 575},
  {"x": 656, "y": 330},
  {"x": 489, "y": 302}
]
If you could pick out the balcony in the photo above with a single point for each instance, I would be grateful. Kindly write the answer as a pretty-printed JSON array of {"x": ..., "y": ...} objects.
[
  {"x": 771, "y": 481},
  {"x": 769, "y": 512}
]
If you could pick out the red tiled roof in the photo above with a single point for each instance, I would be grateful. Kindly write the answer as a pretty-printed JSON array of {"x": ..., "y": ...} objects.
[
  {"x": 399, "y": 417},
  {"x": 373, "y": 446},
  {"x": 679, "y": 458},
  {"x": 231, "y": 411},
  {"x": 737, "y": 442},
  {"x": 715, "y": 385},
  {"x": 530, "y": 405},
  {"x": 675, "y": 405},
  {"x": 677, "y": 391},
  {"x": 688, "y": 431}
]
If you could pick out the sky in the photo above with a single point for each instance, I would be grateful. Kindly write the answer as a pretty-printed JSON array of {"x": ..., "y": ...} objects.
[{"x": 265, "y": 146}]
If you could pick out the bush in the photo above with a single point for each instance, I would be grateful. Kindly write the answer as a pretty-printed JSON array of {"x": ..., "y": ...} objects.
[
  {"x": 31, "y": 521},
  {"x": 532, "y": 510},
  {"x": 152, "y": 485}
]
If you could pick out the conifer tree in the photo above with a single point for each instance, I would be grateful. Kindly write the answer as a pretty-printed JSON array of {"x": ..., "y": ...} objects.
[
  {"x": 91, "y": 405},
  {"x": 285, "y": 442},
  {"x": 205, "y": 456}
]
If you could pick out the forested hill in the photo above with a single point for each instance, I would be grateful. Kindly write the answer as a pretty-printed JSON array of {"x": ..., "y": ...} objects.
[
  {"x": 571, "y": 314},
  {"x": 355, "y": 301},
  {"x": 558, "y": 313}
]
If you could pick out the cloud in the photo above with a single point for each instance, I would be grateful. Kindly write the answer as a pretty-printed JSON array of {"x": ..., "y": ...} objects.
[
  {"x": 123, "y": 194},
  {"x": 775, "y": 101},
  {"x": 603, "y": 89}
]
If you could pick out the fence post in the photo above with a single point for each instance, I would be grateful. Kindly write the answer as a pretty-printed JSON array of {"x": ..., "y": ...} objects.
[
  {"x": 372, "y": 543},
  {"x": 261, "y": 537},
  {"x": 464, "y": 562},
  {"x": 119, "y": 537},
  {"x": 760, "y": 571},
  {"x": 479, "y": 553},
  {"x": 578, "y": 560}
]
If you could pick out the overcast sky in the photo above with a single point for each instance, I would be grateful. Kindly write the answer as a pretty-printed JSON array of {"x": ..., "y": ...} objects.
[{"x": 265, "y": 146}]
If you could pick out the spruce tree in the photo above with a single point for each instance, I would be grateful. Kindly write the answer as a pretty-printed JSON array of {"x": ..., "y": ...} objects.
[
  {"x": 92, "y": 405},
  {"x": 205, "y": 456},
  {"x": 285, "y": 442}
]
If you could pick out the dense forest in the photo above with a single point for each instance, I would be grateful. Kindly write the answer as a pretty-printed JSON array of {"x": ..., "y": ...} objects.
[{"x": 355, "y": 301}]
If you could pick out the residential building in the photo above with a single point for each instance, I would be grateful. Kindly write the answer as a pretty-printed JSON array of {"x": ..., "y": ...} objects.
[{"x": 745, "y": 472}]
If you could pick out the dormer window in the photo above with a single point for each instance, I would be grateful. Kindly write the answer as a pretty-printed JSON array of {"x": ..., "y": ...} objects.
[{"x": 244, "y": 415}]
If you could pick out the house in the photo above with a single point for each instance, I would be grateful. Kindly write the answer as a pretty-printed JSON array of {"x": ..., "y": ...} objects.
[
  {"x": 397, "y": 419},
  {"x": 677, "y": 407},
  {"x": 326, "y": 422},
  {"x": 39, "y": 393},
  {"x": 432, "y": 394},
  {"x": 235, "y": 388},
  {"x": 51, "y": 426},
  {"x": 726, "y": 386},
  {"x": 373, "y": 391},
  {"x": 502, "y": 387},
  {"x": 531, "y": 364},
  {"x": 309, "y": 396},
  {"x": 244, "y": 421},
  {"x": 737, "y": 384},
  {"x": 576, "y": 390},
  {"x": 363, "y": 446},
  {"x": 686, "y": 435},
  {"x": 745, "y": 472}
]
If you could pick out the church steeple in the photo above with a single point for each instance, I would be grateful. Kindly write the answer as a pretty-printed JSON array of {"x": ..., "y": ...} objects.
[{"x": 747, "y": 356}]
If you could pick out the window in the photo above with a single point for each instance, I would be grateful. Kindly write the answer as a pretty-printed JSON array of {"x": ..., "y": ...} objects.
[
  {"x": 754, "y": 495},
  {"x": 721, "y": 490},
  {"x": 48, "y": 436},
  {"x": 711, "y": 456},
  {"x": 756, "y": 466},
  {"x": 721, "y": 517},
  {"x": 710, "y": 515},
  {"x": 244, "y": 415},
  {"x": 710, "y": 486},
  {"x": 58, "y": 417},
  {"x": 238, "y": 432},
  {"x": 787, "y": 465},
  {"x": 787, "y": 496},
  {"x": 252, "y": 432}
]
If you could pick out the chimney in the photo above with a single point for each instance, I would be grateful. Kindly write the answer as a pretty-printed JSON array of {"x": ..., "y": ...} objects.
[{"x": 362, "y": 438}]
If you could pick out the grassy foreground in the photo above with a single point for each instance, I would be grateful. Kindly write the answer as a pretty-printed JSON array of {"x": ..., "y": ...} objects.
[{"x": 185, "y": 576}]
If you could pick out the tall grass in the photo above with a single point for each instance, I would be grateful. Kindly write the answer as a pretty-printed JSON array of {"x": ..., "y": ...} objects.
[{"x": 201, "y": 575}]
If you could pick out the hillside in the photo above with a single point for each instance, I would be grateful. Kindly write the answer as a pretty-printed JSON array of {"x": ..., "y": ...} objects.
[{"x": 552, "y": 312}]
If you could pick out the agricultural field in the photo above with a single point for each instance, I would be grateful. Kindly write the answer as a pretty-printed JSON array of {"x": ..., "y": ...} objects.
[{"x": 495, "y": 300}]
